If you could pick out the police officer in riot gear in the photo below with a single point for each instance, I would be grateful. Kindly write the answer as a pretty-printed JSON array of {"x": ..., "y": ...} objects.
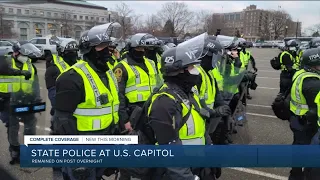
[
  {"x": 21, "y": 62},
  {"x": 67, "y": 56},
  {"x": 246, "y": 58},
  {"x": 137, "y": 76},
  {"x": 113, "y": 59},
  {"x": 135, "y": 71},
  {"x": 289, "y": 64},
  {"x": 80, "y": 109},
  {"x": 208, "y": 87},
  {"x": 305, "y": 87},
  {"x": 172, "y": 105}
]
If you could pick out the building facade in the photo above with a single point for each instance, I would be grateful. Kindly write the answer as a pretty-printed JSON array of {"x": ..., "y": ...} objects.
[
  {"x": 255, "y": 24},
  {"x": 55, "y": 18}
]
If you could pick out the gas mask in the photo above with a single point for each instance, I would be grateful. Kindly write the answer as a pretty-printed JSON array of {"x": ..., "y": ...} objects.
[{"x": 21, "y": 58}]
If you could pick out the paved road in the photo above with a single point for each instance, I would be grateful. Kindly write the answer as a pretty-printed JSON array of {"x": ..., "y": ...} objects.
[{"x": 264, "y": 127}]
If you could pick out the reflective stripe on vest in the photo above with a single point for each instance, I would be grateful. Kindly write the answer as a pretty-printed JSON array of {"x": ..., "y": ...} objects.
[
  {"x": 193, "y": 131},
  {"x": 60, "y": 63},
  {"x": 92, "y": 115},
  {"x": 140, "y": 84},
  {"x": 26, "y": 85},
  {"x": 317, "y": 101},
  {"x": 208, "y": 89},
  {"x": 160, "y": 79},
  {"x": 298, "y": 103}
]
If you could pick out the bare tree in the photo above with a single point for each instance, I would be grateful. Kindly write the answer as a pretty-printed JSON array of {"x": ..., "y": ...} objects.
[
  {"x": 126, "y": 18},
  {"x": 6, "y": 26},
  {"x": 66, "y": 24},
  {"x": 264, "y": 29},
  {"x": 314, "y": 29},
  {"x": 178, "y": 13},
  {"x": 201, "y": 22},
  {"x": 279, "y": 20},
  {"x": 215, "y": 22},
  {"x": 153, "y": 24}
]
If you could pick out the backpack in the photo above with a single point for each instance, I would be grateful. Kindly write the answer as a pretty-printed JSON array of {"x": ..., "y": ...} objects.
[{"x": 275, "y": 63}]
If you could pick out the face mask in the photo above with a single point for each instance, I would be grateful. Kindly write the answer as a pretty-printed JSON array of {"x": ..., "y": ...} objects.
[
  {"x": 292, "y": 48},
  {"x": 99, "y": 59},
  {"x": 70, "y": 58},
  {"x": 206, "y": 63},
  {"x": 22, "y": 58},
  {"x": 137, "y": 55},
  {"x": 185, "y": 80}
]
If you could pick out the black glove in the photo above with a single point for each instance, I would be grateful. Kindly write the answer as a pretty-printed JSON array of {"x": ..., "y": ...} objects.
[
  {"x": 249, "y": 76},
  {"x": 221, "y": 111},
  {"x": 26, "y": 74}
]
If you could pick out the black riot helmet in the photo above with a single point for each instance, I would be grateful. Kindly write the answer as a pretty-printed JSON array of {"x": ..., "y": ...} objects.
[
  {"x": 185, "y": 54},
  {"x": 315, "y": 42},
  {"x": 310, "y": 60},
  {"x": 143, "y": 40},
  {"x": 99, "y": 35},
  {"x": 67, "y": 45},
  {"x": 214, "y": 53},
  {"x": 293, "y": 43},
  {"x": 228, "y": 42},
  {"x": 242, "y": 43},
  {"x": 27, "y": 49}
]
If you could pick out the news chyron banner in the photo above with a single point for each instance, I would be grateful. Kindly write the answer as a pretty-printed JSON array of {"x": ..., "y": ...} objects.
[{"x": 124, "y": 151}]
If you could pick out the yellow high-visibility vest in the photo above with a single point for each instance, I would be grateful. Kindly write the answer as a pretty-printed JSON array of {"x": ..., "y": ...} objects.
[
  {"x": 193, "y": 131},
  {"x": 140, "y": 84},
  {"x": 91, "y": 114},
  {"x": 298, "y": 103},
  {"x": 26, "y": 85},
  {"x": 207, "y": 90},
  {"x": 60, "y": 63}
]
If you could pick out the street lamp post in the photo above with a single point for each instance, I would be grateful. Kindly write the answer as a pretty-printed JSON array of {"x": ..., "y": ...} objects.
[
  {"x": 61, "y": 29},
  {"x": 286, "y": 31},
  {"x": 109, "y": 13}
]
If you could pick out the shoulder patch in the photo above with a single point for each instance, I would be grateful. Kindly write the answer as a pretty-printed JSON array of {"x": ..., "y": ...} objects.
[{"x": 118, "y": 74}]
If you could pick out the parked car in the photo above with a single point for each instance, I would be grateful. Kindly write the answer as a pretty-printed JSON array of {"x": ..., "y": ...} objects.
[
  {"x": 45, "y": 44},
  {"x": 6, "y": 47},
  {"x": 249, "y": 44}
]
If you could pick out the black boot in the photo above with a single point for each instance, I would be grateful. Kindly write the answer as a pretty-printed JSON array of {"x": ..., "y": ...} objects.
[{"x": 15, "y": 154}]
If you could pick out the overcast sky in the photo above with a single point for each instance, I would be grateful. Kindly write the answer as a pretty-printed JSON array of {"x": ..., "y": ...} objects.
[{"x": 307, "y": 12}]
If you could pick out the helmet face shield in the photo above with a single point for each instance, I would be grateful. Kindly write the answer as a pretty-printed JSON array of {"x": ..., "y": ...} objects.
[
  {"x": 103, "y": 33},
  {"x": 192, "y": 48}
]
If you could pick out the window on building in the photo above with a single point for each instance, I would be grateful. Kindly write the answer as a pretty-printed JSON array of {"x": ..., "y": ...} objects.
[
  {"x": 97, "y": 18},
  {"x": 18, "y": 11},
  {"x": 41, "y": 13},
  {"x": 62, "y": 15},
  {"x": 78, "y": 34},
  {"x": 75, "y": 16},
  {"x": 23, "y": 34},
  {"x": 112, "y": 20},
  {"x": 102, "y": 19},
  {"x": 34, "y": 12},
  {"x": 10, "y": 10},
  {"x": 49, "y": 14},
  {"x": 81, "y": 17},
  {"x": 92, "y": 18},
  {"x": 39, "y": 34},
  {"x": 237, "y": 16},
  {"x": 87, "y": 18},
  {"x": 55, "y": 14}
]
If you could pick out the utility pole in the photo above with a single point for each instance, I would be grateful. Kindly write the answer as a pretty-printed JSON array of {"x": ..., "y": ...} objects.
[{"x": 297, "y": 28}]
